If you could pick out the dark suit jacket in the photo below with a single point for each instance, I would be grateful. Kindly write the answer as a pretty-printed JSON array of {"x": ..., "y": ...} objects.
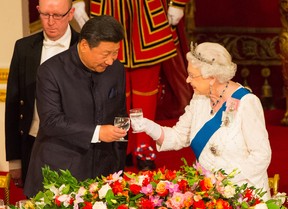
[
  {"x": 20, "y": 97},
  {"x": 71, "y": 101}
]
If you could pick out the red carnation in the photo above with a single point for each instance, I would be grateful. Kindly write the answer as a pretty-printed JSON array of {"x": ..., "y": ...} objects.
[
  {"x": 135, "y": 189},
  {"x": 117, "y": 187},
  {"x": 183, "y": 184},
  {"x": 87, "y": 205},
  {"x": 199, "y": 204},
  {"x": 145, "y": 204}
]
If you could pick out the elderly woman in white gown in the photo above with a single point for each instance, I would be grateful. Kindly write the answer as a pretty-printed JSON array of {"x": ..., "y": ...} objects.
[{"x": 224, "y": 122}]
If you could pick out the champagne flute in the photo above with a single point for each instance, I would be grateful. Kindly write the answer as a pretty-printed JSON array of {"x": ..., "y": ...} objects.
[
  {"x": 136, "y": 116},
  {"x": 124, "y": 123}
]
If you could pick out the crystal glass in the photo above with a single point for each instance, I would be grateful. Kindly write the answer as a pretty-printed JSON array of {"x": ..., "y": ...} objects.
[
  {"x": 136, "y": 116},
  {"x": 124, "y": 123}
]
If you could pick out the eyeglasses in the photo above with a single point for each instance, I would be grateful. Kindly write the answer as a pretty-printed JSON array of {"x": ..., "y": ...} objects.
[
  {"x": 54, "y": 16},
  {"x": 194, "y": 76}
]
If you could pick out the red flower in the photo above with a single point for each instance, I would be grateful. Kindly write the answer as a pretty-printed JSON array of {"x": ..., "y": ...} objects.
[
  {"x": 183, "y": 184},
  {"x": 257, "y": 201},
  {"x": 199, "y": 204},
  {"x": 206, "y": 184},
  {"x": 248, "y": 194},
  {"x": 125, "y": 175},
  {"x": 210, "y": 205},
  {"x": 117, "y": 187},
  {"x": 122, "y": 207},
  {"x": 57, "y": 202},
  {"x": 145, "y": 204},
  {"x": 71, "y": 201},
  {"x": 87, "y": 205},
  {"x": 222, "y": 204},
  {"x": 170, "y": 175},
  {"x": 146, "y": 181},
  {"x": 135, "y": 189}
]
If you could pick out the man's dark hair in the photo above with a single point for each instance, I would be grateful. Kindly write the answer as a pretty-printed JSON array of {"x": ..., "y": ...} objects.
[{"x": 101, "y": 28}]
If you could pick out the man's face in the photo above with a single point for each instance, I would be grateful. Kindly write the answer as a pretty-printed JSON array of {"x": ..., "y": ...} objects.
[
  {"x": 98, "y": 58},
  {"x": 284, "y": 5},
  {"x": 55, "y": 16}
]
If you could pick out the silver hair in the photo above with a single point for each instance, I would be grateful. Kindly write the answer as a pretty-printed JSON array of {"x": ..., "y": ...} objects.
[{"x": 213, "y": 60}]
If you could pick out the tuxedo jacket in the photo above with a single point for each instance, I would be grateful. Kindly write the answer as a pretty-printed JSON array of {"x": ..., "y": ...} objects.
[
  {"x": 71, "y": 101},
  {"x": 20, "y": 97}
]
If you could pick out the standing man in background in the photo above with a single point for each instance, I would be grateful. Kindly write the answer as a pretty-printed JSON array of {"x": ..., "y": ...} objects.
[
  {"x": 21, "y": 118},
  {"x": 150, "y": 39}
]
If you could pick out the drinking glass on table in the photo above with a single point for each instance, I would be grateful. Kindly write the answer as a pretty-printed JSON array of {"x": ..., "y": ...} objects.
[
  {"x": 136, "y": 116},
  {"x": 124, "y": 123}
]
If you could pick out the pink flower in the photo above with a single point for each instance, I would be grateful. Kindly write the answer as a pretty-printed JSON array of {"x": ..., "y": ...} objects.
[
  {"x": 156, "y": 200},
  {"x": 176, "y": 201},
  {"x": 172, "y": 187},
  {"x": 147, "y": 189},
  {"x": 93, "y": 187}
]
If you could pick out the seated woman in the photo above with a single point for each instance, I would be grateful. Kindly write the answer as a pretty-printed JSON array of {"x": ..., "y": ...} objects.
[{"x": 224, "y": 123}]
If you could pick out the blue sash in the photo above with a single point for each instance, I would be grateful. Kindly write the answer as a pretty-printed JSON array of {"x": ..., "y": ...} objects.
[{"x": 211, "y": 126}]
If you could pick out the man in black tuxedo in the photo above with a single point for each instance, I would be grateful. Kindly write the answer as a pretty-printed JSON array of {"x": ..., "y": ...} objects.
[
  {"x": 79, "y": 93},
  {"x": 21, "y": 118}
]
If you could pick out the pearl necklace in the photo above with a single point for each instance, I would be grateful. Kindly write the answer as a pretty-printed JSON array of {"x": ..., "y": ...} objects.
[{"x": 218, "y": 100}]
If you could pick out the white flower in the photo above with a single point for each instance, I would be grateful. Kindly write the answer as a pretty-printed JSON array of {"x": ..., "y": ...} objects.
[
  {"x": 261, "y": 206},
  {"x": 56, "y": 191},
  {"x": 229, "y": 191},
  {"x": 65, "y": 198},
  {"x": 99, "y": 205},
  {"x": 281, "y": 197},
  {"x": 82, "y": 191},
  {"x": 141, "y": 178},
  {"x": 103, "y": 191},
  {"x": 40, "y": 203}
]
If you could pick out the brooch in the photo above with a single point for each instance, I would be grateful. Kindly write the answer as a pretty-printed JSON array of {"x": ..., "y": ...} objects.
[
  {"x": 214, "y": 150},
  {"x": 229, "y": 114}
]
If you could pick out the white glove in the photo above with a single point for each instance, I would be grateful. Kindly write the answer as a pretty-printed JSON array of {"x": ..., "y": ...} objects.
[
  {"x": 145, "y": 125},
  {"x": 80, "y": 14},
  {"x": 174, "y": 15},
  {"x": 152, "y": 129}
]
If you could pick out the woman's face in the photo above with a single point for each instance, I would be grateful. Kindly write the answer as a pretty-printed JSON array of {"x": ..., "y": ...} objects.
[{"x": 199, "y": 84}]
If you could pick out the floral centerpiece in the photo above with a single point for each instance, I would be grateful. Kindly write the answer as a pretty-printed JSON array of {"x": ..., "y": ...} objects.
[{"x": 190, "y": 187}]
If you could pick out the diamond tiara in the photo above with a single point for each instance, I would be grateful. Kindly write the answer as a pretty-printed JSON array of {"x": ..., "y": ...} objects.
[{"x": 198, "y": 56}]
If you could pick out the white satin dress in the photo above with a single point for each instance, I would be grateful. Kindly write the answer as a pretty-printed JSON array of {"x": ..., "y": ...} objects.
[{"x": 243, "y": 144}]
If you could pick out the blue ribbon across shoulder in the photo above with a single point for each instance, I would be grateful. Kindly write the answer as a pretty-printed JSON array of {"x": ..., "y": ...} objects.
[{"x": 211, "y": 126}]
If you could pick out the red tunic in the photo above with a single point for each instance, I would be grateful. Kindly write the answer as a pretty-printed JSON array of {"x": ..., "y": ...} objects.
[{"x": 149, "y": 39}]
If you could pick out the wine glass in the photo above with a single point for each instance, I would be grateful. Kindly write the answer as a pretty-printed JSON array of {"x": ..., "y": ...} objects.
[
  {"x": 136, "y": 116},
  {"x": 124, "y": 123}
]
